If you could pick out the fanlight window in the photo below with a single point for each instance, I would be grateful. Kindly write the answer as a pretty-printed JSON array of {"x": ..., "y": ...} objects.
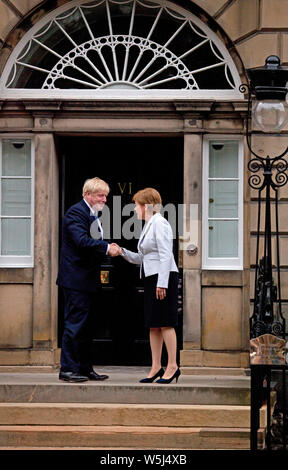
[{"x": 121, "y": 44}]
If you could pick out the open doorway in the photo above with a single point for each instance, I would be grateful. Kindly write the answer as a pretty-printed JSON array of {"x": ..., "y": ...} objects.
[{"x": 127, "y": 164}]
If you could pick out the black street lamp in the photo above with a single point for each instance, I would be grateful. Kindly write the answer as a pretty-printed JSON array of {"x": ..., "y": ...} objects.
[{"x": 267, "y": 90}]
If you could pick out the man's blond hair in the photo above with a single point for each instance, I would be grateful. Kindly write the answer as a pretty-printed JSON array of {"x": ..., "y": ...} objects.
[{"x": 95, "y": 185}]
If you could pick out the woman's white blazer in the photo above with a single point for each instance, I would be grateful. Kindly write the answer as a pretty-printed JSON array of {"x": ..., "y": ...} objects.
[{"x": 155, "y": 250}]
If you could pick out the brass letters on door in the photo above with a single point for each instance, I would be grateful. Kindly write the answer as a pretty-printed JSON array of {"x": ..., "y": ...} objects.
[{"x": 122, "y": 187}]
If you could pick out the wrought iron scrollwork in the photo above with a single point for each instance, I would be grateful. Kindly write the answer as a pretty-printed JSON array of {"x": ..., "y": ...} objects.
[
  {"x": 255, "y": 181},
  {"x": 267, "y": 171},
  {"x": 281, "y": 176},
  {"x": 244, "y": 88}
]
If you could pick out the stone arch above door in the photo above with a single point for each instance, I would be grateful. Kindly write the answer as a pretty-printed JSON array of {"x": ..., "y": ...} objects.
[
  {"x": 101, "y": 48},
  {"x": 255, "y": 28}
]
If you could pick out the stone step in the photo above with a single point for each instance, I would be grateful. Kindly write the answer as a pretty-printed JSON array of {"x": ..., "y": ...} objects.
[
  {"x": 124, "y": 437},
  {"x": 125, "y": 388},
  {"x": 113, "y": 414},
  {"x": 202, "y": 411}
]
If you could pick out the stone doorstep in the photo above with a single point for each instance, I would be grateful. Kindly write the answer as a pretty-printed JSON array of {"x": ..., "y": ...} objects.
[
  {"x": 123, "y": 387},
  {"x": 196, "y": 394},
  {"x": 64, "y": 414},
  {"x": 125, "y": 437}
]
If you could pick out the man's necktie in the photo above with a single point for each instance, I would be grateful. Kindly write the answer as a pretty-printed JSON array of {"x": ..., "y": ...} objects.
[{"x": 100, "y": 229}]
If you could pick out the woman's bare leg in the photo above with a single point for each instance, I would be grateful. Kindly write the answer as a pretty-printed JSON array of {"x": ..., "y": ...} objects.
[
  {"x": 156, "y": 343},
  {"x": 170, "y": 340}
]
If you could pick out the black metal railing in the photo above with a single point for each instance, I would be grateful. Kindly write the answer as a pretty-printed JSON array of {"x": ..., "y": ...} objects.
[{"x": 268, "y": 388}]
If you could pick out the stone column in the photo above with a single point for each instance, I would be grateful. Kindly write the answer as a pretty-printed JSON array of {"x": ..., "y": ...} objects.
[
  {"x": 45, "y": 249},
  {"x": 192, "y": 263}
]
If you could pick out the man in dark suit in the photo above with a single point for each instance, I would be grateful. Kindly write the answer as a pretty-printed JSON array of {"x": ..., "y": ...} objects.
[{"x": 79, "y": 277}]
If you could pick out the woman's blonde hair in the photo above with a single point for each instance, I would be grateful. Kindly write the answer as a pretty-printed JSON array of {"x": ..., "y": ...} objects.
[
  {"x": 94, "y": 185},
  {"x": 150, "y": 197}
]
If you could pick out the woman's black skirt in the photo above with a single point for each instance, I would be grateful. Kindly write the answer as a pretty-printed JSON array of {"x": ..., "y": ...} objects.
[{"x": 159, "y": 313}]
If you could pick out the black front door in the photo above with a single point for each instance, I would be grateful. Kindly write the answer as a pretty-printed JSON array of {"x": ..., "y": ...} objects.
[{"x": 127, "y": 164}]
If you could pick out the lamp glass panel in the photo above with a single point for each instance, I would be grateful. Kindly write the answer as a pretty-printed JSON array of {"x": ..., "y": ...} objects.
[{"x": 270, "y": 115}]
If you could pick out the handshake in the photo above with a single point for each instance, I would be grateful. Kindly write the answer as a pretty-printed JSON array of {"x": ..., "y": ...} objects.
[{"x": 114, "y": 250}]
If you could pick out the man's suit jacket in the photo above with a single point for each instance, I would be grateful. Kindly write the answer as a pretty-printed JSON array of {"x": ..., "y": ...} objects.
[
  {"x": 81, "y": 255},
  {"x": 155, "y": 250}
]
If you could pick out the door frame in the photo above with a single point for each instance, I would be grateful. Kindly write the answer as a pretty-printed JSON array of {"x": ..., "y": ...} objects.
[{"x": 62, "y": 182}]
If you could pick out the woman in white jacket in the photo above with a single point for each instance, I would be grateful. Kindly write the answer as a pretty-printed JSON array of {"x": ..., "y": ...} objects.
[{"x": 158, "y": 267}]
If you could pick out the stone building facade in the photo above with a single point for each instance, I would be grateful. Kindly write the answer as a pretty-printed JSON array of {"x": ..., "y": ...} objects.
[{"x": 216, "y": 293}]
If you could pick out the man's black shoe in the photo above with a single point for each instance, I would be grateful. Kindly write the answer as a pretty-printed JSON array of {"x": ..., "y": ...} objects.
[
  {"x": 72, "y": 377},
  {"x": 94, "y": 376}
]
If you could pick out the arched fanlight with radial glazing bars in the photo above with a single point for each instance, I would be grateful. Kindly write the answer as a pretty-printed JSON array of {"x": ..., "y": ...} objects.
[{"x": 121, "y": 44}]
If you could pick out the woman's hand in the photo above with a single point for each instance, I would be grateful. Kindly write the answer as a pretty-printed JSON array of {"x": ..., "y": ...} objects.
[{"x": 160, "y": 293}]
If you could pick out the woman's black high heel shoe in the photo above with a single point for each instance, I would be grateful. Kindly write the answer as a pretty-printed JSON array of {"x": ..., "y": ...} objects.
[
  {"x": 151, "y": 379},
  {"x": 168, "y": 381}
]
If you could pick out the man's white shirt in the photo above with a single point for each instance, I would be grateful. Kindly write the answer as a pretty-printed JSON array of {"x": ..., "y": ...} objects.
[{"x": 94, "y": 214}]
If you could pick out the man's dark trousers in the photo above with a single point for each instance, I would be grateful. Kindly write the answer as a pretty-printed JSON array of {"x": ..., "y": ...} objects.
[{"x": 77, "y": 337}]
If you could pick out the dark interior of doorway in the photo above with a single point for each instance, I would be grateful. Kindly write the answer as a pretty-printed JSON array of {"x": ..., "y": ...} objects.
[{"x": 127, "y": 164}]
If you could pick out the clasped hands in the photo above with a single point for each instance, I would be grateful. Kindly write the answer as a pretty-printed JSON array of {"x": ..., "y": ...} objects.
[{"x": 114, "y": 250}]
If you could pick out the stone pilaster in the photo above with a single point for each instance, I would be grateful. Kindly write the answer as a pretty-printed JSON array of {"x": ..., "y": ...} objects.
[
  {"x": 46, "y": 228},
  {"x": 192, "y": 263}
]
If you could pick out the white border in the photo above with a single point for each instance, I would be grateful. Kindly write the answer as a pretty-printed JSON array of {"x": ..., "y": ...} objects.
[
  {"x": 118, "y": 94},
  {"x": 22, "y": 261},
  {"x": 221, "y": 263}
]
